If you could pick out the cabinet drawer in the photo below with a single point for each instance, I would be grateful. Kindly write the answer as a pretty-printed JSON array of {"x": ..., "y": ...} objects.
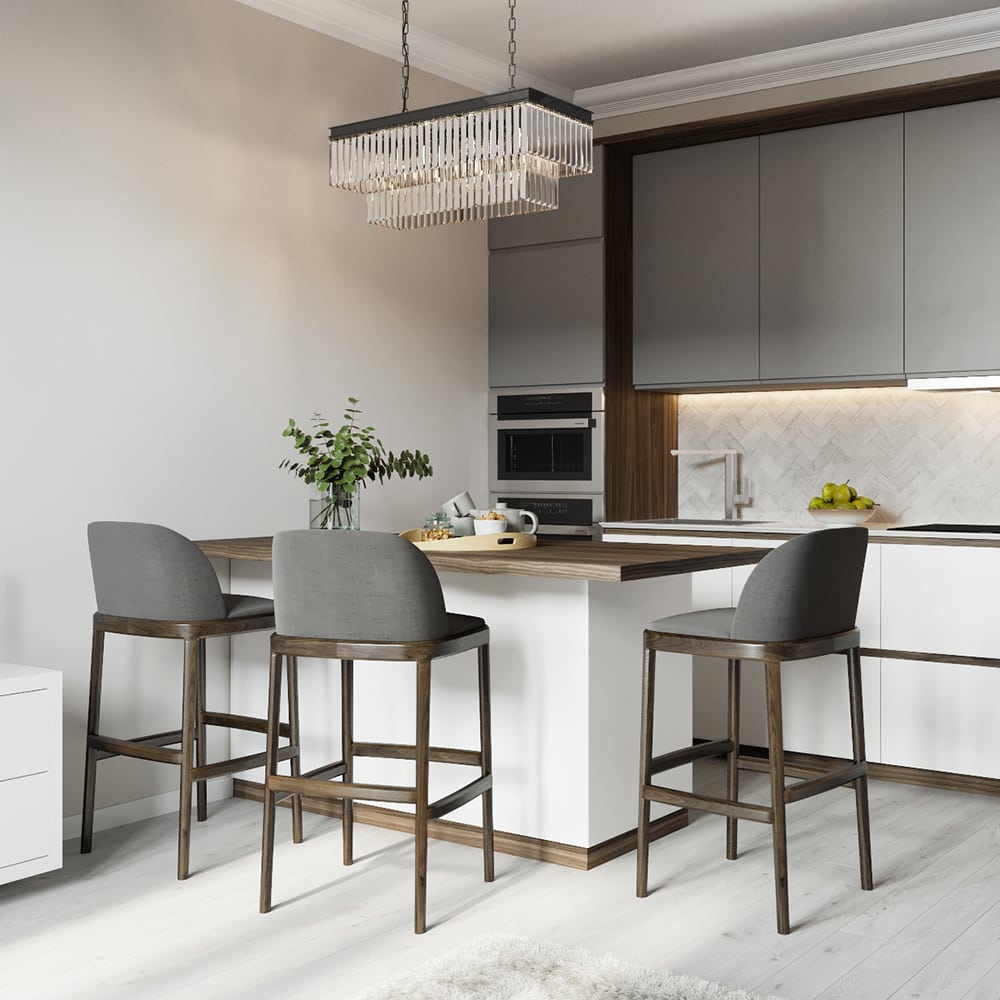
[
  {"x": 25, "y": 737},
  {"x": 24, "y": 804},
  {"x": 940, "y": 599}
]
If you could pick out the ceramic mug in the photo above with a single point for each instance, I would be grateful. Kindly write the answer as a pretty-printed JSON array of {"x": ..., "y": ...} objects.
[
  {"x": 461, "y": 506},
  {"x": 518, "y": 518},
  {"x": 463, "y": 526}
]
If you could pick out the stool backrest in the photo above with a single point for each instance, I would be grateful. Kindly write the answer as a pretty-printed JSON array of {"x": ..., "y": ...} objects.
[
  {"x": 807, "y": 587},
  {"x": 148, "y": 571},
  {"x": 355, "y": 585}
]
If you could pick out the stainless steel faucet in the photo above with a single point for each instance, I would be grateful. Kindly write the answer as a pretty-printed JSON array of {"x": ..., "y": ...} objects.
[{"x": 734, "y": 499}]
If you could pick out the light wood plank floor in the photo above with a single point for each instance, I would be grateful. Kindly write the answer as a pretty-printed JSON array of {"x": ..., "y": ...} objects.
[{"x": 116, "y": 923}]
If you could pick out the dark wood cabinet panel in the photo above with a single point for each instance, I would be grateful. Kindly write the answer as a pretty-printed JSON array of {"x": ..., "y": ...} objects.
[
  {"x": 831, "y": 252},
  {"x": 695, "y": 265},
  {"x": 953, "y": 239}
]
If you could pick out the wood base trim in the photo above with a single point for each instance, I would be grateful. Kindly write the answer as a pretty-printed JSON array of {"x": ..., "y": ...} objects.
[{"x": 468, "y": 835}]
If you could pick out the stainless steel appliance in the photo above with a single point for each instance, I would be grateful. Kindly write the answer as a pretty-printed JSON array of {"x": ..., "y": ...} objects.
[
  {"x": 570, "y": 515},
  {"x": 546, "y": 453}
]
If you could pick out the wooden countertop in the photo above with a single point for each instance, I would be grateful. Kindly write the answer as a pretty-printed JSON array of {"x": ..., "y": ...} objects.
[{"x": 613, "y": 562}]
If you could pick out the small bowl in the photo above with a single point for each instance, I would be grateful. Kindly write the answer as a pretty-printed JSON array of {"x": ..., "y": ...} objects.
[
  {"x": 835, "y": 516},
  {"x": 490, "y": 526}
]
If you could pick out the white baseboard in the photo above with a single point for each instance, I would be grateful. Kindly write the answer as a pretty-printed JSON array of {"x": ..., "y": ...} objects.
[{"x": 108, "y": 817}]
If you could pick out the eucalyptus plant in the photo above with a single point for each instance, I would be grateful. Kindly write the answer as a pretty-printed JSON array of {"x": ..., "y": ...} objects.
[{"x": 340, "y": 462}]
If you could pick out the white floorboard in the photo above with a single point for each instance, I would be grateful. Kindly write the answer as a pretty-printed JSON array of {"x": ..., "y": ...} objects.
[{"x": 117, "y": 924}]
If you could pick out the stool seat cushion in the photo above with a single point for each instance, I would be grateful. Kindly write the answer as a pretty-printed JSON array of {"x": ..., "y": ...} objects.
[
  {"x": 244, "y": 606},
  {"x": 715, "y": 623}
]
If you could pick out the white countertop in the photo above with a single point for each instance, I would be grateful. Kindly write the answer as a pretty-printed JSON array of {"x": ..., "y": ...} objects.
[{"x": 878, "y": 530}]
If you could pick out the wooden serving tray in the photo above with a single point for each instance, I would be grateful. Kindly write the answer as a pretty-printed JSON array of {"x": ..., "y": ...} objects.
[{"x": 503, "y": 542}]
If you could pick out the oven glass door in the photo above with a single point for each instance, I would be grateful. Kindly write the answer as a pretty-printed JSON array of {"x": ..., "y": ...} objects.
[{"x": 552, "y": 454}]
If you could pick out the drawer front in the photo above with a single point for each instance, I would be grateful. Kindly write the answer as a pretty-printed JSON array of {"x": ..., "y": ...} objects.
[
  {"x": 24, "y": 834},
  {"x": 25, "y": 733}
]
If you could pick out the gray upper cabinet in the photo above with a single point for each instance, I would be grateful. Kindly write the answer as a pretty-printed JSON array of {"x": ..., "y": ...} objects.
[
  {"x": 953, "y": 239},
  {"x": 831, "y": 252},
  {"x": 547, "y": 315},
  {"x": 695, "y": 266},
  {"x": 580, "y": 215}
]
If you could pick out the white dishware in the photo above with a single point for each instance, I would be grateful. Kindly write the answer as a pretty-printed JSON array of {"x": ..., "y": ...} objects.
[
  {"x": 518, "y": 518},
  {"x": 846, "y": 516},
  {"x": 490, "y": 526},
  {"x": 463, "y": 526},
  {"x": 459, "y": 506}
]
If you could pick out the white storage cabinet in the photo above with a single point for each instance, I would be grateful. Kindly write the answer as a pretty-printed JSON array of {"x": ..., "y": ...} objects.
[{"x": 30, "y": 771}]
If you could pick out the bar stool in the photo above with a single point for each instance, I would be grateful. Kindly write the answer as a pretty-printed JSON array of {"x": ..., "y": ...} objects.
[
  {"x": 152, "y": 581},
  {"x": 800, "y": 601},
  {"x": 371, "y": 596}
]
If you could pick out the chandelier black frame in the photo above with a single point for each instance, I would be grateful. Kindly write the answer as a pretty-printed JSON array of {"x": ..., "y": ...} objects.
[{"x": 486, "y": 157}]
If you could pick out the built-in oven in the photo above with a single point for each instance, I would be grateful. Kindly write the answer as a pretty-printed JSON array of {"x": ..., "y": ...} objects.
[
  {"x": 547, "y": 440},
  {"x": 546, "y": 454},
  {"x": 573, "y": 515}
]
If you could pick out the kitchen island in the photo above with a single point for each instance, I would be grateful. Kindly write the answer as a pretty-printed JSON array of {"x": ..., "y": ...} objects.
[{"x": 566, "y": 621}]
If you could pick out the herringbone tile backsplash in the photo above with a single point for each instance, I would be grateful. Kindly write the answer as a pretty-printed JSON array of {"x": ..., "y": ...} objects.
[{"x": 923, "y": 456}]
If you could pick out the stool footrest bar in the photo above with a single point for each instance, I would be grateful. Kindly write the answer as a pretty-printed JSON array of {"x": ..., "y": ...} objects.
[
  {"x": 467, "y": 793},
  {"x": 687, "y": 755},
  {"x": 705, "y": 803}
]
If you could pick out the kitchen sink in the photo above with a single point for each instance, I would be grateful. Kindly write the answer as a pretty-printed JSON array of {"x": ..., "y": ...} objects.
[{"x": 705, "y": 520}]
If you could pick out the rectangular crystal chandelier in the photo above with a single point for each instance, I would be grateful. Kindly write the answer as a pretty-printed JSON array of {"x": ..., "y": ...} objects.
[{"x": 477, "y": 159}]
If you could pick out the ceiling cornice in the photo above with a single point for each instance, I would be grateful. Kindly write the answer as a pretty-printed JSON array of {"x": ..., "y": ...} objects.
[
  {"x": 950, "y": 36},
  {"x": 378, "y": 33}
]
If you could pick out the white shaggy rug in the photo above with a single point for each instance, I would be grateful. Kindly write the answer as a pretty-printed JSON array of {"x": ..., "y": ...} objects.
[{"x": 502, "y": 967}]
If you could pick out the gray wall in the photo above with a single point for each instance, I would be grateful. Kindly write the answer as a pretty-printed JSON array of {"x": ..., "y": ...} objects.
[{"x": 177, "y": 280}]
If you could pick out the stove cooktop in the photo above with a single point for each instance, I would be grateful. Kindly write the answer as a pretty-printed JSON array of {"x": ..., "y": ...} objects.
[{"x": 967, "y": 528}]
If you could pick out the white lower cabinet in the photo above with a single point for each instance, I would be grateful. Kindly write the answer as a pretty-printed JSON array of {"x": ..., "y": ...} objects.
[
  {"x": 915, "y": 598},
  {"x": 30, "y": 771},
  {"x": 941, "y": 716}
]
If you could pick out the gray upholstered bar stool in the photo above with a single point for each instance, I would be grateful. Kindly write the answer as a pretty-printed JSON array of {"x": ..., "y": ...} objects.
[
  {"x": 366, "y": 595},
  {"x": 152, "y": 581},
  {"x": 800, "y": 601}
]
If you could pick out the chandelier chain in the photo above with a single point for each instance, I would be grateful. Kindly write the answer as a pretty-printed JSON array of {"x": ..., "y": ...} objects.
[
  {"x": 406, "y": 53},
  {"x": 512, "y": 44}
]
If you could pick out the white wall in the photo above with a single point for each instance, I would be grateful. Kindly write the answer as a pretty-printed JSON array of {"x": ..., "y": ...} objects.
[{"x": 177, "y": 280}]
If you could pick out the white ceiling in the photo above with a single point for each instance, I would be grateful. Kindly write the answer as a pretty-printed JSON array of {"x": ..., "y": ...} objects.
[{"x": 604, "y": 53}]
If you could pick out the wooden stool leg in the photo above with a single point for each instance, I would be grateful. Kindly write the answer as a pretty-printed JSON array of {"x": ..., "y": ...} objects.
[
  {"x": 860, "y": 784},
  {"x": 733, "y": 760},
  {"x": 347, "y": 752},
  {"x": 201, "y": 749},
  {"x": 188, "y": 712},
  {"x": 294, "y": 763},
  {"x": 645, "y": 770},
  {"x": 270, "y": 768},
  {"x": 486, "y": 767},
  {"x": 93, "y": 725},
  {"x": 775, "y": 748},
  {"x": 422, "y": 782}
]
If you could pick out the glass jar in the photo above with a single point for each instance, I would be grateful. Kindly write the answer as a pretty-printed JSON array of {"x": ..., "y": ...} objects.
[{"x": 437, "y": 528}]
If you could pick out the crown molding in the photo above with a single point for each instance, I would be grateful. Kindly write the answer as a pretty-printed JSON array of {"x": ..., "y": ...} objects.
[
  {"x": 378, "y": 33},
  {"x": 950, "y": 36}
]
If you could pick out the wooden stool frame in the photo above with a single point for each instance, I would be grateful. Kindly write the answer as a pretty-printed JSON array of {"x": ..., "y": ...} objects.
[
  {"x": 316, "y": 783},
  {"x": 195, "y": 718},
  {"x": 853, "y": 773}
]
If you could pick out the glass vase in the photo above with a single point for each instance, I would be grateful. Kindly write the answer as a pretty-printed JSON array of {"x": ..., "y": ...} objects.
[{"x": 336, "y": 510}]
